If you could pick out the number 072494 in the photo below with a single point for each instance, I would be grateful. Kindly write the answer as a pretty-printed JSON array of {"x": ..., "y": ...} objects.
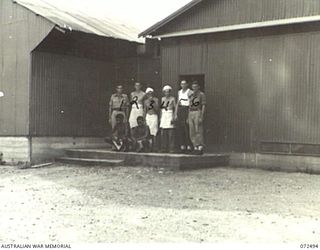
[{"x": 309, "y": 246}]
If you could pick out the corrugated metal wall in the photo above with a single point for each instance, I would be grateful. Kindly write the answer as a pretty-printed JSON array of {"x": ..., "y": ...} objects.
[
  {"x": 227, "y": 12},
  {"x": 72, "y": 72},
  {"x": 20, "y": 32},
  {"x": 70, "y": 95},
  {"x": 71, "y": 90},
  {"x": 261, "y": 85}
]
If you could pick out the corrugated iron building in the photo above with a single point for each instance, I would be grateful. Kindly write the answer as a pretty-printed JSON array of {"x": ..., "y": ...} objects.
[
  {"x": 58, "y": 70},
  {"x": 259, "y": 61}
]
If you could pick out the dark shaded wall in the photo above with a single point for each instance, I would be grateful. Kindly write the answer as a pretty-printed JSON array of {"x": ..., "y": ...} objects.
[
  {"x": 262, "y": 85},
  {"x": 73, "y": 77},
  {"x": 69, "y": 95},
  {"x": 20, "y": 32}
]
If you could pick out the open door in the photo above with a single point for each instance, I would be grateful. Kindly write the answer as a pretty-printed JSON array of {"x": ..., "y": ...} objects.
[{"x": 192, "y": 78}]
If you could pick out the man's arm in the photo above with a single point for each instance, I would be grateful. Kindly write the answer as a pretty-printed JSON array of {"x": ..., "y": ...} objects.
[
  {"x": 174, "y": 103},
  {"x": 156, "y": 105},
  {"x": 203, "y": 108},
  {"x": 176, "y": 109},
  {"x": 130, "y": 104},
  {"x": 160, "y": 109},
  {"x": 133, "y": 134},
  {"x": 127, "y": 131},
  {"x": 126, "y": 105},
  {"x": 114, "y": 132},
  {"x": 110, "y": 109},
  {"x": 145, "y": 109},
  {"x": 146, "y": 133}
]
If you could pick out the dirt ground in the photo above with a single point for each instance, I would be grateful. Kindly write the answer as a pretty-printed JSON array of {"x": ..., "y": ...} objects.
[{"x": 69, "y": 204}]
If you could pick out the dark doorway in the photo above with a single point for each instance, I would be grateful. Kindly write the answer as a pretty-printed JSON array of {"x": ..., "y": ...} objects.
[{"x": 194, "y": 78}]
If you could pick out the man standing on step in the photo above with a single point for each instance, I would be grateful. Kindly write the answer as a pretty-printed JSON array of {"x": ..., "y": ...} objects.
[
  {"x": 181, "y": 115},
  {"x": 119, "y": 104},
  {"x": 136, "y": 103},
  {"x": 151, "y": 110},
  {"x": 196, "y": 115}
]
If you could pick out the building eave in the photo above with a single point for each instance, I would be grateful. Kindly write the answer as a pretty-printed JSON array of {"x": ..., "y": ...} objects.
[
  {"x": 168, "y": 19},
  {"x": 73, "y": 19},
  {"x": 256, "y": 25}
]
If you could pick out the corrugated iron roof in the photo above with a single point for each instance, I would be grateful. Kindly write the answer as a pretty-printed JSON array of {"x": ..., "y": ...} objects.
[
  {"x": 168, "y": 19},
  {"x": 75, "y": 19}
]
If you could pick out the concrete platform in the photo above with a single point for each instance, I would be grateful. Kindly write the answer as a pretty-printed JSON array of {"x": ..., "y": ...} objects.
[
  {"x": 173, "y": 161},
  {"x": 91, "y": 162}
]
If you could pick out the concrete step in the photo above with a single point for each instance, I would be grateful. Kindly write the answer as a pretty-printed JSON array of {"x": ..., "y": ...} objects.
[
  {"x": 176, "y": 161},
  {"x": 93, "y": 154},
  {"x": 90, "y": 161}
]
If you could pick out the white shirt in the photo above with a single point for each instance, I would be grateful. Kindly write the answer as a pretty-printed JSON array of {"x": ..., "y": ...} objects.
[{"x": 183, "y": 97}]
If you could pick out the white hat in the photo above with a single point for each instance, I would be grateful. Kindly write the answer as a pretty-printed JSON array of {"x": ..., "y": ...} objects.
[
  {"x": 167, "y": 87},
  {"x": 149, "y": 90}
]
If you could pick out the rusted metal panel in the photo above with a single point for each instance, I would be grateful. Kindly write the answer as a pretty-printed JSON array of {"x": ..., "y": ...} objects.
[{"x": 208, "y": 14}]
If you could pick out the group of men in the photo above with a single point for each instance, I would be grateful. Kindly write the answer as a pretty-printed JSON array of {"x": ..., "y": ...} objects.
[{"x": 142, "y": 123}]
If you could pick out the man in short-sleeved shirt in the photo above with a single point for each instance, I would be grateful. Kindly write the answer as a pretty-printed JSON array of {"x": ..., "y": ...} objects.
[
  {"x": 118, "y": 104},
  {"x": 196, "y": 115}
]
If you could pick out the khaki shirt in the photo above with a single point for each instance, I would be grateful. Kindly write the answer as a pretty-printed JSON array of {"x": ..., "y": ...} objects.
[
  {"x": 118, "y": 102},
  {"x": 197, "y": 100}
]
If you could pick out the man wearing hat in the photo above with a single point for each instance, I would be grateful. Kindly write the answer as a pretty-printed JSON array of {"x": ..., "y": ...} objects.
[
  {"x": 118, "y": 104},
  {"x": 168, "y": 107},
  {"x": 151, "y": 110}
]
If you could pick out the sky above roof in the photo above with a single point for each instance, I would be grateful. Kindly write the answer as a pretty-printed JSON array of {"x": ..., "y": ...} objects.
[
  {"x": 139, "y": 13},
  {"x": 120, "y": 19}
]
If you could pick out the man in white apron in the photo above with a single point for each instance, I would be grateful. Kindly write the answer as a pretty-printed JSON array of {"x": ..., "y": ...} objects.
[
  {"x": 151, "y": 110},
  {"x": 136, "y": 103},
  {"x": 168, "y": 106}
]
